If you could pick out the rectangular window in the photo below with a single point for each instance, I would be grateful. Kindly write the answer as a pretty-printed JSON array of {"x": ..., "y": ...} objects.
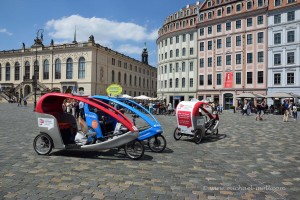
[
  {"x": 260, "y": 56},
  {"x": 113, "y": 61},
  {"x": 277, "y": 79},
  {"x": 209, "y": 45},
  {"x": 238, "y": 78},
  {"x": 219, "y": 12},
  {"x": 170, "y": 68},
  {"x": 191, "y": 51},
  {"x": 238, "y": 24},
  {"x": 191, "y": 66},
  {"x": 260, "y": 37},
  {"x": 228, "y": 26},
  {"x": 238, "y": 59},
  {"x": 201, "y": 31},
  {"x": 219, "y": 60},
  {"x": 219, "y": 43},
  {"x": 177, "y": 52},
  {"x": 219, "y": 28},
  {"x": 183, "y": 66},
  {"x": 219, "y": 79},
  {"x": 290, "y": 78},
  {"x": 183, "y": 51},
  {"x": 228, "y": 59},
  {"x": 260, "y": 3},
  {"x": 277, "y": 2},
  {"x": 191, "y": 37},
  {"x": 165, "y": 83},
  {"x": 260, "y": 19},
  {"x": 183, "y": 82},
  {"x": 260, "y": 77},
  {"x": 201, "y": 79},
  {"x": 177, "y": 38},
  {"x": 228, "y": 42},
  {"x": 249, "y": 77},
  {"x": 277, "y": 59},
  {"x": 249, "y": 5},
  {"x": 183, "y": 37},
  {"x": 249, "y": 58},
  {"x": 228, "y": 10},
  {"x": 171, "y": 40},
  {"x": 201, "y": 62},
  {"x": 191, "y": 82},
  {"x": 290, "y": 58},
  {"x": 277, "y": 38},
  {"x": 201, "y": 46},
  {"x": 209, "y": 79},
  {"x": 238, "y": 40},
  {"x": 291, "y": 36},
  {"x": 209, "y": 30},
  {"x": 209, "y": 62},
  {"x": 291, "y": 16},
  {"x": 249, "y": 22},
  {"x": 176, "y": 67},
  {"x": 249, "y": 39},
  {"x": 277, "y": 19}
]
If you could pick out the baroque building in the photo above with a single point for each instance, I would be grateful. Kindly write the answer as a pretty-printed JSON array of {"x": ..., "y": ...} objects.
[
  {"x": 284, "y": 46},
  {"x": 177, "y": 56},
  {"x": 85, "y": 67},
  {"x": 232, "y": 40}
]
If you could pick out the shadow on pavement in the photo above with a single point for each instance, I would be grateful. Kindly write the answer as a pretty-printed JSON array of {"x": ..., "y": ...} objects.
[
  {"x": 206, "y": 139},
  {"x": 112, "y": 154}
]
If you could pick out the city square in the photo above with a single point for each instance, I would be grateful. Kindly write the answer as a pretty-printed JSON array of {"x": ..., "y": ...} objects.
[{"x": 249, "y": 159}]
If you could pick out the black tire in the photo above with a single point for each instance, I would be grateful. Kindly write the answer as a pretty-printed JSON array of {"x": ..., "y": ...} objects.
[
  {"x": 217, "y": 132},
  {"x": 43, "y": 144},
  {"x": 177, "y": 134},
  {"x": 134, "y": 149},
  {"x": 198, "y": 136},
  {"x": 157, "y": 143}
]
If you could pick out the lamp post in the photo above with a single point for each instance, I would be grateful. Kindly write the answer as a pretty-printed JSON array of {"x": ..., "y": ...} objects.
[{"x": 38, "y": 41}]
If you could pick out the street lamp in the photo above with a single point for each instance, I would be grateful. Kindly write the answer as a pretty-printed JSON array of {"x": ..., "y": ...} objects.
[{"x": 38, "y": 41}]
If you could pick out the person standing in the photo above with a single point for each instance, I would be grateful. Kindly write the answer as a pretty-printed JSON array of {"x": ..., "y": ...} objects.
[
  {"x": 295, "y": 111},
  {"x": 25, "y": 102},
  {"x": 20, "y": 101},
  {"x": 81, "y": 109},
  {"x": 285, "y": 111}
]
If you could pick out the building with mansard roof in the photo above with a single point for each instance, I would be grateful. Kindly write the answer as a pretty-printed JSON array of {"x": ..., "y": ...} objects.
[
  {"x": 177, "y": 56},
  {"x": 87, "y": 67}
]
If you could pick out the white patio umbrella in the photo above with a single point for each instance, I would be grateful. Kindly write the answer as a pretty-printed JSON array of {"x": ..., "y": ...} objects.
[
  {"x": 279, "y": 95},
  {"x": 126, "y": 96},
  {"x": 142, "y": 97}
]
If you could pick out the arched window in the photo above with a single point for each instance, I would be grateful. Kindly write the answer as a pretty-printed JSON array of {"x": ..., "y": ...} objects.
[
  {"x": 46, "y": 70},
  {"x": 147, "y": 83},
  {"x": 113, "y": 76},
  {"x": 119, "y": 77},
  {"x": 134, "y": 81},
  {"x": 36, "y": 69},
  {"x": 143, "y": 82},
  {"x": 69, "y": 73},
  {"x": 81, "y": 68},
  {"x": 140, "y": 81},
  {"x": 17, "y": 71},
  {"x": 170, "y": 83},
  {"x": 57, "y": 69},
  {"x": 176, "y": 82},
  {"x": 125, "y": 79},
  {"x": 7, "y": 72},
  {"x": 130, "y": 80},
  {"x": 183, "y": 83},
  {"x": 27, "y": 70}
]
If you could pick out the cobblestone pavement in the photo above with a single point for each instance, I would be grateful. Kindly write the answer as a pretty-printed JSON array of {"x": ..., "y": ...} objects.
[{"x": 249, "y": 160}]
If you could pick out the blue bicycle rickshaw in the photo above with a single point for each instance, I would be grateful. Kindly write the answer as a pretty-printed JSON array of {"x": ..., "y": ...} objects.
[{"x": 149, "y": 128}]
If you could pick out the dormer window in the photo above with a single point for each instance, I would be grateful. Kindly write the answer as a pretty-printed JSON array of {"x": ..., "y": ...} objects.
[
  {"x": 228, "y": 10},
  {"x": 238, "y": 7},
  {"x": 201, "y": 17},
  {"x": 249, "y": 5},
  {"x": 219, "y": 12},
  {"x": 209, "y": 4},
  {"x": 209, "y": 15}
]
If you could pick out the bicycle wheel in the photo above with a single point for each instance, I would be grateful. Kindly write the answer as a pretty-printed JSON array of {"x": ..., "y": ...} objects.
[
  {"x": 134, "y": 149},
  {"x": 157, "y": 143},
  {"x": 177, "y": 134},
  {"x": 43, "y": 144}
]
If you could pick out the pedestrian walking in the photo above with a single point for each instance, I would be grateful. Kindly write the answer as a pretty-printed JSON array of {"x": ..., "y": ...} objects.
[
  {"x": 285, "y": 108},
  {"x": 81, "y": 110},
  {"x": 25, "y": 102}
]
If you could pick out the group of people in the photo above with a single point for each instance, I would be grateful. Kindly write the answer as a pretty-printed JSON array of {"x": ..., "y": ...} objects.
[
  {"x": 20, "y": 101},
  {"x": 74, "y": 107},
  {"x": 289, "y": 109}
]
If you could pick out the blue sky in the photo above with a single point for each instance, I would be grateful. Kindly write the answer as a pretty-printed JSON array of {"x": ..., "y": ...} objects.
[{"x": 122, "y": 25}]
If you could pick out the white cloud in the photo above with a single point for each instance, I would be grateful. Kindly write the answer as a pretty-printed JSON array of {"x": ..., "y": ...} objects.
[
  {"x": 129, "y": 49},
  {"x": 105, "y": 31},
  {"x": 4, "y": 30}
]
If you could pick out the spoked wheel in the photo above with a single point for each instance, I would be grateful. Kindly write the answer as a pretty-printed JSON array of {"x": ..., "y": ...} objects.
[
  {"x": 134, "y": 149},
  {"x": 157, "y": 143},
  {"x": 42, "y": 144},
  {"x": 198, "y": 136},
  {"x": 177, "y": 134}
]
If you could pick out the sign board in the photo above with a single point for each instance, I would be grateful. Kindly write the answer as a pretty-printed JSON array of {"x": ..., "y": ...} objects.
[
  {"x": 228, "y": 80},
  {"x": 114, "y": 90}
]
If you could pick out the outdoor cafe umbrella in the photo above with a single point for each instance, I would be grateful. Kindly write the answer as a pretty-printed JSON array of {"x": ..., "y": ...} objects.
[
  {"x": 127, "y": 96},
  {"x": 246, "y": 95},
  {"x": 142, "y": 97}
]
